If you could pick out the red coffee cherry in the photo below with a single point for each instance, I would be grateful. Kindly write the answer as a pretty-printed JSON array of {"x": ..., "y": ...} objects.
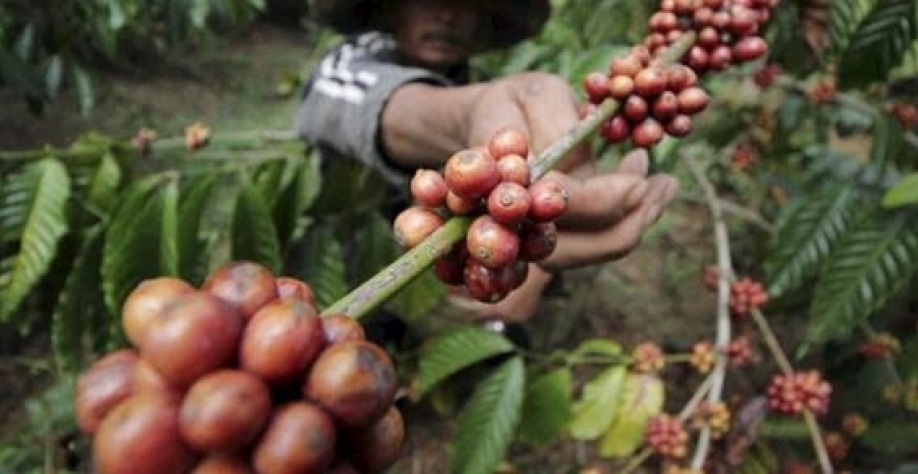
[
  {"x": 620, "y": 87},
  {"x": 665, "y": 106},
  {"x": 299, "y": 438},
  {"x": 720, "y": 58},
  {"x": 642, "y": 54},
  {"x": 537, "y": 240},
  {"x": 105, "y": 384},
  {"x": 650, "y": 82},
  {"x": 697, "y": 58},
  {"x": 616, "y": 129},
  {"x": 790, "y": 394},
  {"x": 459, "y": 205},
  {"x": 224, "y": 410},
  {"x": 507, "y": 142},
  {"x": 692, "y": 100},
  {"x": 750, "y": 48},
  {"x": 648, "y": 357},
  {"x": 289, "y": 287},
  {"x": 428, "y": 188},
  {"x": 414, "y": 224},
  {"x": 635, "y": 108},
  {"x": 473, "y": 173},
  {"x": 549, "y": 200},
  {"x": 450, "y": 268},
  {"x": 647, "y": 133},
  {"x": 703, "y": 17},
  {"x": 488, "y": 285},
  {"x": 708, "y": 38},
  {"x": 493, "y": 244},
  {"x": 679, "y": 126},
  {"x": 514, "y": 169},
  {"x": 340, "y": 327},
  {"x": 146, "y": 302},
  {"x": 596, "y": 85},
  {"x": 354, "y": 381},
  {"x": 680, "y": 77},
  {"x": 246, "y": 286},
  {"x": 281, "y": 341},
  {"x": 627, "y": 66},
  {"x": 509, "y": 203}
]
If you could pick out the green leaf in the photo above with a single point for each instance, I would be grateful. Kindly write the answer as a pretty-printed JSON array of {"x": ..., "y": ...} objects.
[
  {"x": 871, "y": 263},
  {"x": 487, "y": 422},
  {"x": 102, "y": 191},
  {"x": 254, "y": 236},
  {"x": 78, "y": 304},
  {"x": 903, "y": 193},
  {"x": 324, "y": 265},
  {"x": 888, "y": 141},
  {"x": 38, "y": 198},
  {"x": 844, "y": 18},
  {"x": 807, "y": 233},
  {"x": 892, "y": 438},
  {"x": 605, "y": 347},
  {"x": 190, "y": 245},
  {"x": 168, "y": 240},
  {"x": 419, "y": 296},
  {"x": 547, "y": 407},
  {"x": 132, "y": 250},
  {"x": 598, "y": 406},
  {"x": 85, "y": 95},
  {"x": 53, "y": 75},
  {"x": 879, "y": 44},
  {"x": 641, "y": 399},
  {"x": 297, "y": 198},
  {"x": 455, "y": 350},
  {"x": 377, "y": 245}
]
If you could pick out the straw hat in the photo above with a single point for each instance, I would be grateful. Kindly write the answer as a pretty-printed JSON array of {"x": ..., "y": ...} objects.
[{"x": 511, "y": 21}]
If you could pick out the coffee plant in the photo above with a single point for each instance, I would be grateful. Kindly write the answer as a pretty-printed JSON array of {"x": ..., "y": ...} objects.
[{"x": 793, "y": 123}]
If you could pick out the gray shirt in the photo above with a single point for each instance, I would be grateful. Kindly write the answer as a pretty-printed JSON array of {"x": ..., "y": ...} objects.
[{"x": 344, "y": 99}]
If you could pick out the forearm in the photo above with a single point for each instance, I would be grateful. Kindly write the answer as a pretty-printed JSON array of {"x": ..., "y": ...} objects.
[{"x": 422, "y": 125}]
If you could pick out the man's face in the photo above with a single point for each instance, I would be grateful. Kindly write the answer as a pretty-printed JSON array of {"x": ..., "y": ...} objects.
[{"x": 436, "y": 33}]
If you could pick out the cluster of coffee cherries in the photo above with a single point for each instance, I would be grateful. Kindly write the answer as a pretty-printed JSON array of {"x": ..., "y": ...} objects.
[
  {"x": 655, "y": 99},
  {"x": 239, "y": 375},
  {"x": 904, "y": 113},
  {"x": 726, "y": 30},
  {"x": 746, "y": 294},
  {"x": 648, "y": 357},
  {"x": 879, "y": 346},
  {"x": 666, "y": 435},
  {"x": 513, "y": 216},
  {"x": 791, "y": 394},
  {"x": 716, "y": 416}
]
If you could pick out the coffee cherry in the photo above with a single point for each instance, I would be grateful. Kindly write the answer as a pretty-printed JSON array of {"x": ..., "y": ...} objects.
[
  {"x": 647, "y": 133},
  {"x": 414, "y": 224},
  {"x": 289, "y": 287},
  {"x": 714, "y": 415},
  {"x": 721, "y": 19},
  {"x": 635, "y": 108},
  {"x": 739, "y": 351},
  {"x": 299, "y": 438},
  {"x": 473, "y": 173},
  {"x": 105, "y": 384},
  {"x": 650, "y": 82},
  {"x": 791, "y": 394},
  {"x": 692, "y": 100},
  {"x": 485, "y": 284},
  {"x": 507, "y": 142},
  {"x": 509, "y": 203},
  {"x": 685, "y": 7},
  {"x": 616, "y": 129},
  {"x": 146, "y": 302},
  {"x": 703, "y": 17},
  {"x": 765, "y": 76},
  {"x": 750, "y": 48},
  {"x": 514, "y": 169},
  {"x": 339, "y": 327},
  {"x": 376, "y": 447},
  {"x": 450, "y": 267},
  {"x": 697, "y": 59},
  {"x": 537, "y": 240},
  {"x": 680, "y": 77},
  {"x": 642, "y": 54},
  {"x": 428, "y": 188},
  {"x": 655, "y": 40},
  {"x": 224, "y": 410},
  {"x": 665, "y": 106},
  {"x": 281, "y": 341},
  {"x": 745, "y": 295},
  {"x": 702, "y": 358},
  {"x": 708, "y": 38},
  {"x": 627, "y": 66},
  {"x": 720, "y": 58},
  {"x": 459, "y": 205},
  {"x": 679, "y": 126},
  {"x": 354, "y": 381},
  {"x": 743, "y": 21},
  {"x": 493, "y": 244},
  {"x": 596, "y": 85},
  {"x": 246, "y": 286},
  {"x": 549, "y": 200},
  {"x": 223, "y": 463}
]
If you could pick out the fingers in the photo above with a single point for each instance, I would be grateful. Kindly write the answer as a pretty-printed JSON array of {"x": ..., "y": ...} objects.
[
  {"x": 636, "y": 162},
  {"x": 576, "y": 248},
  {"x": 600, "y": 200},
  {"x": 521, "y": 303}
]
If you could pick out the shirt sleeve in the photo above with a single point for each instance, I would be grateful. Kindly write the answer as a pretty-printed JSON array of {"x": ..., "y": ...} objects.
[{"x": 343, "y": 103}]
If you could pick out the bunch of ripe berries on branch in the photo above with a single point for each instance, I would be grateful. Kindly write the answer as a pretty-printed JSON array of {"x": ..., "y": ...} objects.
[
  {"x": 513, "y": 217},
  {"x": 239, "y": 375},
  {"x": 658, "y": 99}
]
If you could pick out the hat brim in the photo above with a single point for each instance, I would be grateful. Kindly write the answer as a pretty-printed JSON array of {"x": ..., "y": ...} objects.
[{"x": 510, "y": 21}]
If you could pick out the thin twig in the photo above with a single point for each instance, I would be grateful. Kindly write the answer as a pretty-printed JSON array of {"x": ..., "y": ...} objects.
[
  {"x": 818, "y": 443},
  {"x": 737, "y": 210},
  {"x": 725, "y": 270},
  {"x": 771, "y": 341}
]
